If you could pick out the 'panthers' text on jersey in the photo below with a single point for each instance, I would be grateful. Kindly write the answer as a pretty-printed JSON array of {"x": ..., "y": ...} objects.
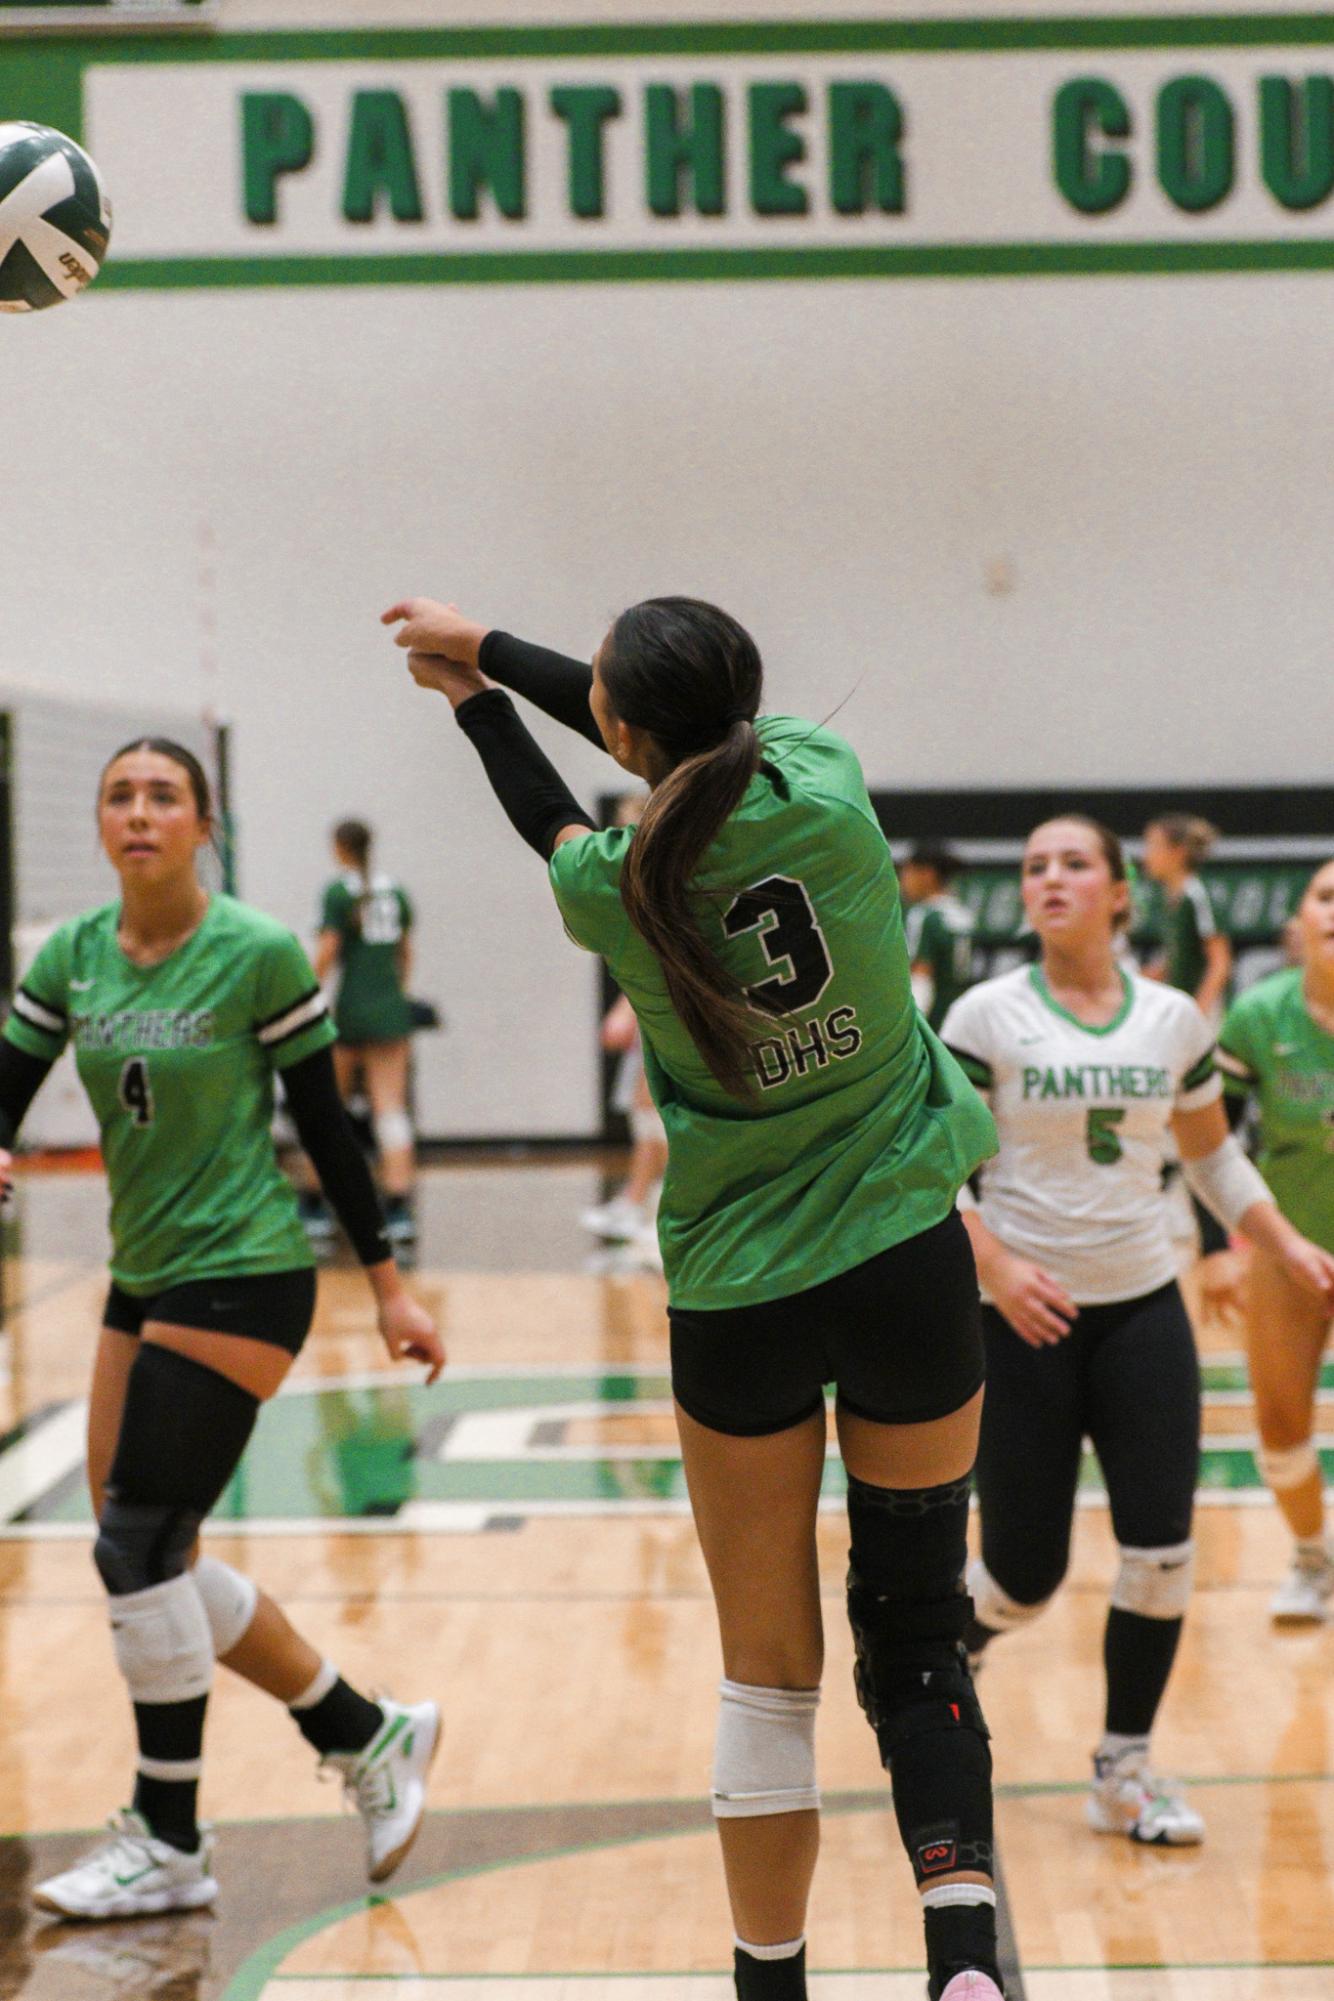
[{"x": 1083, "y": 1119}]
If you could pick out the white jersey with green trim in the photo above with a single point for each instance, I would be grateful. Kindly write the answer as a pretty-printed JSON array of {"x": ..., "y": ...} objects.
[{"x": 1083, "y": 1118}]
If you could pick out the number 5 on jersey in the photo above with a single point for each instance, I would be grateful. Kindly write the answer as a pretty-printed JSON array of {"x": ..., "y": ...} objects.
[{"x": 136, "y": 1093}]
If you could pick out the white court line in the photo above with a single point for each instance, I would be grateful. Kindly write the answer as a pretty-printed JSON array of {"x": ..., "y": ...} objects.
[
  {"x": 35, "y": 1463},
  {"x": 1084, "y": 1983}
]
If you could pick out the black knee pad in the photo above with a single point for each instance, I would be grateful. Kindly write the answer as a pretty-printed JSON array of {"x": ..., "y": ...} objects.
[
  {"x": 909, "y": 1611},
  {"x": 182, "y": 1433},
  {"x": 142, "y": 1543}
]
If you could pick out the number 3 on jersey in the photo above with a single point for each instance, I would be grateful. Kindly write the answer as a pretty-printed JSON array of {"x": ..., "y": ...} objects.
[
  {"x": 783, "y": 914},
  {"x": 135, "y": 1091}
]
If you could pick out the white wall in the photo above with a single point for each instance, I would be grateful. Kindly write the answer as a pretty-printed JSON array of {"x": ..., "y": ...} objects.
[{"x": 220, "y": 490}]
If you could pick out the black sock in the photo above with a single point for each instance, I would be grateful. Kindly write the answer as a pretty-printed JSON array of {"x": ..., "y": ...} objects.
[
  {"x": 342, "y": 1720},
  {"x": 170, "y": 1733},
  {"x": 1138, "y": 1655},
  {"x": 769, "y": 1979},
  {"x": 959, "y": 1936}
]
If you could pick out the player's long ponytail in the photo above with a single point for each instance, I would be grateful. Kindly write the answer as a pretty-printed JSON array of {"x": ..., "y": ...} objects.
[{"x": 691, "y": 677}]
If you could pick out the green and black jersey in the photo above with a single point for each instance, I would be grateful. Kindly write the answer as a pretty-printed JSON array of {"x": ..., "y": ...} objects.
[
  {"x": 371, "y": 919},
  {"x": 1271, "y": 1047},
  {"x": 939, "y": 935},
  {"x": 178, "y": 1060},
  {"x": 1187, "y": 921},
  {"x": 863, "y": 1127}
]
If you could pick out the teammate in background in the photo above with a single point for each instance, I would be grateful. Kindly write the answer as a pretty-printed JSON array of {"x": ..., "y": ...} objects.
[
  {"x": 1277, "y": 1045},
  {"x": 181, "y": 1006},
  {"x": 1194, "y": 955},
  {"x": 630, "y": 1214},
  {"x": 938, "y": 929},
  {"x": 817, "y": 1136},
  {"x": 365, "y": 931},
  {"x": 1085, "y": 1068}
]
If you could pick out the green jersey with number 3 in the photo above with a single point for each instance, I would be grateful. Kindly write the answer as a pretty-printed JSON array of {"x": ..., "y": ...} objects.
[
  {"x": 1270, "y": 1046},
  {"x": 861, "y": 1129},
  {"x": 178, "y": 1060},
  {"x": 1083, "y": 1115}
]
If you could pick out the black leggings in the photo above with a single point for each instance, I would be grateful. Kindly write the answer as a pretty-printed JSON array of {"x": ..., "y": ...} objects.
[{"x": 1127, "y": 1378}]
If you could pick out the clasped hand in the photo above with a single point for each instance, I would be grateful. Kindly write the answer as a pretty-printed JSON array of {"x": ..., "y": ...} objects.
[{"x": 442, "y": 647}]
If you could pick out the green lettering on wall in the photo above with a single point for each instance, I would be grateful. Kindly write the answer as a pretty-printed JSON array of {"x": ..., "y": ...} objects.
[
  {"x": 380, "y": 159},
  {"x": 277, "y": 137},
  {"x": 586, "y": 109},
  {"x": 680, "y": 145},
  {"x": 865, "y": 133},
  {"x": 1297, "y": 139},
  {"x": 1092, "y": 178},
  {"x": 773, "y": 149},
  {"x": 1196, "y": 144},
  {"x": 486, "y": 150}
]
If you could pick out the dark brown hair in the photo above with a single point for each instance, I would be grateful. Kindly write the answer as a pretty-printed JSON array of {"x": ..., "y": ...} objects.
[
  {"x": 691, "y": 677},
  {"x": 354, "y": 838},
  {"x": 165, "y": 746}
]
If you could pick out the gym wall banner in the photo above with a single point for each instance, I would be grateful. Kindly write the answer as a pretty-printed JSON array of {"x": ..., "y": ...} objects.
[{"x": 784, "y": 150}]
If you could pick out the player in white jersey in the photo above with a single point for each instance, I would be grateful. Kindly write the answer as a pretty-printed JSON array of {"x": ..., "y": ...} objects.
[{"x": 1086, "y": 1068}]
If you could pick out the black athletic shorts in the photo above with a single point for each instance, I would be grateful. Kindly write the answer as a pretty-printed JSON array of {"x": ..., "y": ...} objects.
[
  {"x": 272, "y": 1306},
  {"x": 900, "y": 1337}
]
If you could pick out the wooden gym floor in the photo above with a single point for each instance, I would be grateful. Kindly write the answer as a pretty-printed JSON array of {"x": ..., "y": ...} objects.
[{"x": 515, "y": 1542}]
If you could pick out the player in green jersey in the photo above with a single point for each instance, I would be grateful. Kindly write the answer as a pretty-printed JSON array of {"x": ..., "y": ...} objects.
[
  {"x": 365, "y": 933},
  {"x": 817, "y": 1135},
  {"x": 1277, "y": 1049},
  {"x": 938, "y": 929},
  {"x": 1194, "y": 954},
  {"x": 181, "y": 1006}
]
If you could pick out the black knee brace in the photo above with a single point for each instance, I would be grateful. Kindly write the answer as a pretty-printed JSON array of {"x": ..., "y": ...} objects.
[
  {"x": 908, "y": 1611},
  {"x": 182, "y": 1433}
]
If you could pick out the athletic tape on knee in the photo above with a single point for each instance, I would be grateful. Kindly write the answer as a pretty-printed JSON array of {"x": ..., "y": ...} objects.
[
  {"x": 994, "y": 1607},
  {"x": 164, "y": 1648},
  {"x": 229, "y": 1602},
  {"x": 1155, "y": 1582},
  {"x": 1285, "y": 1466},
  {"x": 393, "y": 1131},
  {"x": 764, "y": 1753}
]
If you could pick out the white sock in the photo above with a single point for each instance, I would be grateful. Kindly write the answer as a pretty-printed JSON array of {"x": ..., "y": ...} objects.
[
  {"x": 326, "y": 1677},
  {"x": 940, "y": 1896},
  {"x": 788, "y": 1950},
  {"x": 1114, "y": 1746}
]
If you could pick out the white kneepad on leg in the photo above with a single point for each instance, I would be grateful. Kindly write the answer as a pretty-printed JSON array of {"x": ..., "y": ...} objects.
[
  {"x": 229, "y": 1602},
  {"x": 993, "y": 1607},
  {"x": 164, "y": 1648},
  {"x": 393, "y": 1131},
  {"x": 1285, "y": 1466},
  {"x": 1155, "y": 1582},
  {"x": 764, "y": 1753}
]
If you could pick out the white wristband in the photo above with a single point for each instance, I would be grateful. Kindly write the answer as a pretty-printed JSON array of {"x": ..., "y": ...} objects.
[{"x": 1226, "y": 1182}]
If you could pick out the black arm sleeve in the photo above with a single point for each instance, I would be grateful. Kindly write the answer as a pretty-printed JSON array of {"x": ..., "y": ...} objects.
[
  {"x": 550, "y": 681},
  {"x": 527, "y": 784},
  {"x": 325, "y": 1131},
  {"x": 21, "y": 1077}
]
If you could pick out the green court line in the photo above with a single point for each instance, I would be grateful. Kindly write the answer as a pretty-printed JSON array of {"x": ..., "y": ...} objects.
[{"x": 735, "y": 266}]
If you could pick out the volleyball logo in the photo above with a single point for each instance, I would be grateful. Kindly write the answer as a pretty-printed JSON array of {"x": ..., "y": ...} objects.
[{"x": 55, "y": 219}]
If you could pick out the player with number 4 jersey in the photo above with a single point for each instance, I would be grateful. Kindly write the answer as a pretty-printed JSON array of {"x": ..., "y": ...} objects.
[{"x": 1087, "y": 1069}]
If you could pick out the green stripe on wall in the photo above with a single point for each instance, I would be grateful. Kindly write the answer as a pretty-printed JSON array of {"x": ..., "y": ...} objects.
[{"x": 567, "y": 267}]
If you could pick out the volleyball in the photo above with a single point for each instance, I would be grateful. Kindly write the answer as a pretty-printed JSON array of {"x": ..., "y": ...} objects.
[{"x": 55, "y": 219}]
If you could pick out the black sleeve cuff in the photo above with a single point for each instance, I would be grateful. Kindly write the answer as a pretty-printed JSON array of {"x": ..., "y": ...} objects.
[{"x": 534, "y": 795}]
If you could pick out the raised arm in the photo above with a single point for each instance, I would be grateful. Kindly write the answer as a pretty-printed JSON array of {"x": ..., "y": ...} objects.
[{"x": 551, "y": 681}]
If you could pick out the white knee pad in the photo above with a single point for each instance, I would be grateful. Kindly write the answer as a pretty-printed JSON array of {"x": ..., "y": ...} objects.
[
  {"x": 994, "y": 1607},
  {"x": 1285, "y": 1466},
  {"x": 1155, "y": 1582},
  {"x": 164, "y": 1648},
  {"x": 229, "y": 1602},
  {"x": 393, "y": 1131},
  {"x": 764, "y": 1753}
]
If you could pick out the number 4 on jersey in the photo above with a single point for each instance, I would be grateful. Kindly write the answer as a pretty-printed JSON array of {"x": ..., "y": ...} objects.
[{"x": 135, "y": 1091}]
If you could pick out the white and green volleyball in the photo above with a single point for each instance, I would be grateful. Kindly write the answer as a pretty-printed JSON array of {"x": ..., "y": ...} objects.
[{"x": 55, "y": 219}]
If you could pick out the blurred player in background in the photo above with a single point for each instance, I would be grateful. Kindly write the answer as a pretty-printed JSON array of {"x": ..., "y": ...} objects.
[
  {"x": 1276, "y": 1049},
  {"x": 938, "y": 929},
  {"x": 1193, "y": 953},
  {"x": 182, "y": 1007},
  {"x": 1085, "y": 1068},
  {"x": 818, "y": 1134},
  {"x": 629, "y": 1216},
  {"x": 366, "y": 937}
]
